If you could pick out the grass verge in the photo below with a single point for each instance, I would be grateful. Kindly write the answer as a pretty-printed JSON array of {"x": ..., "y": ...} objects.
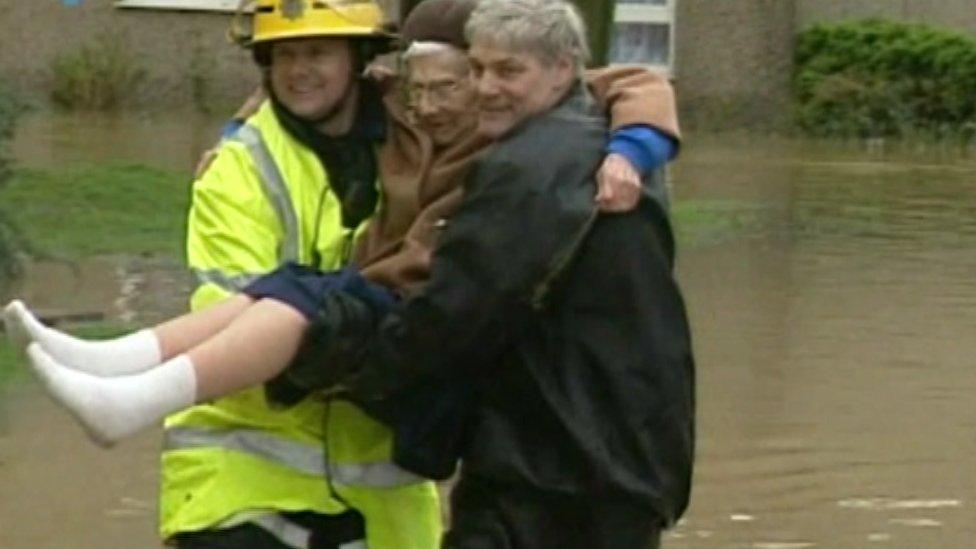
[
  {"x": 708, "y": 222},
  {"x": 97, "y": 210}
]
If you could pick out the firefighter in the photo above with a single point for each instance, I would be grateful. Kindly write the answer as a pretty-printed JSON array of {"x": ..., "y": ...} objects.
[{"x": 294, "y": 184}]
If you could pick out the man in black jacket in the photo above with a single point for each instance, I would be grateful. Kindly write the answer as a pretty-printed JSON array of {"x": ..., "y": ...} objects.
[{"x": 567, "y": 324}]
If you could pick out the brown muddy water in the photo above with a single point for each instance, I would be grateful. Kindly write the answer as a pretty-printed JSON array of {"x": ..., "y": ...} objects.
[
  {"x": 168, "y": 140},
  {"x": 832, "y": 306}
]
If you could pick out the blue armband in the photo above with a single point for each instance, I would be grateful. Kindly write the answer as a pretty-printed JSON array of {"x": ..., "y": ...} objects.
[
  {"x": 230, "y": 128},
  {"x": 645, "y": 147}
]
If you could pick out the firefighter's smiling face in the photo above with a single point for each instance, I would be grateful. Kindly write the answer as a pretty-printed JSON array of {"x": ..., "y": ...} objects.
[{"x": 313, "y": 77}]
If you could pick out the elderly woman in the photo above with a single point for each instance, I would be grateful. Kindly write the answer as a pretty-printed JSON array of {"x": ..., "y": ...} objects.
[{"x": 118, "y": 387}]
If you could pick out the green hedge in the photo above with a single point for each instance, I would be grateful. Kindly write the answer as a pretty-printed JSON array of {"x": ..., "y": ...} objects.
[{"x": 876, "y": 78}]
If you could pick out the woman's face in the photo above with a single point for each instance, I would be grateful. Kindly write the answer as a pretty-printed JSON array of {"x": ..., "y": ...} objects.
[{"x": 441, "y": 95}]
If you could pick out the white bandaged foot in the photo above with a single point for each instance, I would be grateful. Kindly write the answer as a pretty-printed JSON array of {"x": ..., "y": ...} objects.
[
  {"x": 129, "y": 354},
  {"x": 112, "y": 408}
]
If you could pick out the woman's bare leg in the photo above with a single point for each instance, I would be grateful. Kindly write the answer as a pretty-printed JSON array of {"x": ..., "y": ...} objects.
[
  {"x": 131, "y": 353},
  {"x": 255, "y": 347},
  {"x": 257, "y": 344},
  {"x": 183, "y": 333}
]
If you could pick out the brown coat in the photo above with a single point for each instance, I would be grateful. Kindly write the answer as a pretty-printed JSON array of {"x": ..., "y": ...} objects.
[{"x": 421, "y": 188}]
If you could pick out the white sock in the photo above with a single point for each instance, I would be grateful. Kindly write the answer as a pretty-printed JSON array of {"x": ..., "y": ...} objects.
[
  {"x": 112, "y": 408},
  {"x": 129, "y": 354},
  {"x": 14, "y": 327}
]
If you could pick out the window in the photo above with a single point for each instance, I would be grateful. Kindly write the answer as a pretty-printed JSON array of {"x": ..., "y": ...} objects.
[
  {"x": 195, "y": 5},
  {"x": 643, "y": 33}
]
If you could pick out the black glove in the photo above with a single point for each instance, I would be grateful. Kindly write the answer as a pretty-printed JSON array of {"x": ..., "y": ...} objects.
[{"x": 333, "y": 346}]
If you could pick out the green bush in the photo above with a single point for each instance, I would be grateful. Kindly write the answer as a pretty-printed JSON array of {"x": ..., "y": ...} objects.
[
  {"x": 876, "y": 78},
  {"x": 99, "y": 76}
]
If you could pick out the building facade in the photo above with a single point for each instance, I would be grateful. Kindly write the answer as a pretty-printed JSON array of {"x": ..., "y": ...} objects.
[{"x": 731, "y": 60}]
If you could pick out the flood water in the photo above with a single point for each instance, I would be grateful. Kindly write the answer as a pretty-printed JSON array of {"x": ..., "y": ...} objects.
[
  {"x": 832, "y": 326},
  {"x": 834, "y": 347}
]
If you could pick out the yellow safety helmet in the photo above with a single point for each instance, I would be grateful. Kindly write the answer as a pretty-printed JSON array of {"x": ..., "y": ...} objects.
[{"x": 282, "y": 19}]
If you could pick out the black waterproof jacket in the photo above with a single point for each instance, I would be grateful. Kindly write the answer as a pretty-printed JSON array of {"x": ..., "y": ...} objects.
[
  {"x": 557, "y": 337},
  {"x": 586, "y": 378}
]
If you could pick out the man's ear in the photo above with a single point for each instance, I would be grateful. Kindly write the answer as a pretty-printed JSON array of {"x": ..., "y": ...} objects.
[{"x": 565, "y": 70}]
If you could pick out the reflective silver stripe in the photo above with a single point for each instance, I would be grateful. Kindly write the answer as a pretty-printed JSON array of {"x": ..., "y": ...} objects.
[
  {"x": 301, "y": 457},
  {"x": 231, "y": 283},
  {"x": 274, "y": 188},
  {"x": 380, "y": 474},
  {"x": 287, "y": 532},
  {"x": 354, "y": 545},
  {"x": 307, "y": 459}
]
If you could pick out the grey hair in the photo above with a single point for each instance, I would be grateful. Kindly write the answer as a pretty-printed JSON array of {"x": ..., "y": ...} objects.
[
  {"x": 422, "y": 48},
  {"x": 549, "y": 29},
  {"x": 427, "y": 48}
]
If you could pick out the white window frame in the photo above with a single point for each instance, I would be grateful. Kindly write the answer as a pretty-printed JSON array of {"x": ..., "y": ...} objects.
[
  {"x": 226, "y": 6},
  {"x": 646, "y": 13}
]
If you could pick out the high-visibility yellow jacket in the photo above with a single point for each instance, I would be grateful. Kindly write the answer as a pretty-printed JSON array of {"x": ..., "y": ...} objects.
[{"x": 235, "y": 459}]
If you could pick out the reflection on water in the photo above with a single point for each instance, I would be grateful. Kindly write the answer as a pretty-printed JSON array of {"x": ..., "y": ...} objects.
[
  {"x": 172, "y": 140},
  {"x": 121, "y": 290},
  {"x": 834, "y": 353},
  {"x": 57, "y": 489},
  {"x": 835, "y": 377},
  {"x": 61, "y": 491}
]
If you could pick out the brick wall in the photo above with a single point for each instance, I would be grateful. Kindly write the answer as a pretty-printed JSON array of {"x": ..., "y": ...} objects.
[
  {"x": 957, "y": 14},
  {"x": 168, "y": 45},
  {"x": 732, "y": 57},
  {"x": 732, "y": 61}
]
